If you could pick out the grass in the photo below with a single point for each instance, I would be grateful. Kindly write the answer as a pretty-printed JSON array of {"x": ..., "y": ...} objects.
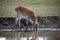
[{"x": 50, "y": 22}]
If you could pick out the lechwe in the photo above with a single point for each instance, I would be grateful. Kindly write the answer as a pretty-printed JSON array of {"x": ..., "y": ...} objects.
[{"x": 27, "y": 12}]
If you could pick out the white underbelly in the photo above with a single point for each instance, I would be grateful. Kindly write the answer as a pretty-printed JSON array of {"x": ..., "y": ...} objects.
[
  {"x": 25, "y": 17},
  {"x": 22, "y": 16}
]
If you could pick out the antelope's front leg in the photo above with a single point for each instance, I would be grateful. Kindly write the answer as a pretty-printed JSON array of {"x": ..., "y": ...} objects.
[
  {"x": 16, "y": 21},
  {"x": 19, "y": 21}
]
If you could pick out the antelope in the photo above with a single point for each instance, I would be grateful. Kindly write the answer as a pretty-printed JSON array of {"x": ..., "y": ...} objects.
[{"x": 27, "y": 13}]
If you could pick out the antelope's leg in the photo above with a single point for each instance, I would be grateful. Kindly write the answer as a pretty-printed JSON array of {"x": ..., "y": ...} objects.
[
  {"x": 19, "y": 17},
  {"x": 35, "y": 33},
  {"x": 19, "y": 20},
  {"x": 27, "y": 23},
  {"x": 16, "y": 21}
]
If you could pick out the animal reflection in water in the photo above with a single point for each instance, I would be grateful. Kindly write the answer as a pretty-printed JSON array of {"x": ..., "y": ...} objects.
[{"x": 25, "y": 13}]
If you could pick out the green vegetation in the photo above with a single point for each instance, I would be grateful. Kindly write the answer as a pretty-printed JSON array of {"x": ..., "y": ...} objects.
[
  {"x": 50, "y": 22},
  {"x": 22, "y": 25},
  {"x": 7, "y": 23}
]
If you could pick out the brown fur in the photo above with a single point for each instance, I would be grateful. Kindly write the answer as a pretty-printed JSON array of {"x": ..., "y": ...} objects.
[{"x": 27, "y": 12}]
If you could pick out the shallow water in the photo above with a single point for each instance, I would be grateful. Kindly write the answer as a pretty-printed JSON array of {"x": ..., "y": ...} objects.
[{"x": 41, "y": 35}]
